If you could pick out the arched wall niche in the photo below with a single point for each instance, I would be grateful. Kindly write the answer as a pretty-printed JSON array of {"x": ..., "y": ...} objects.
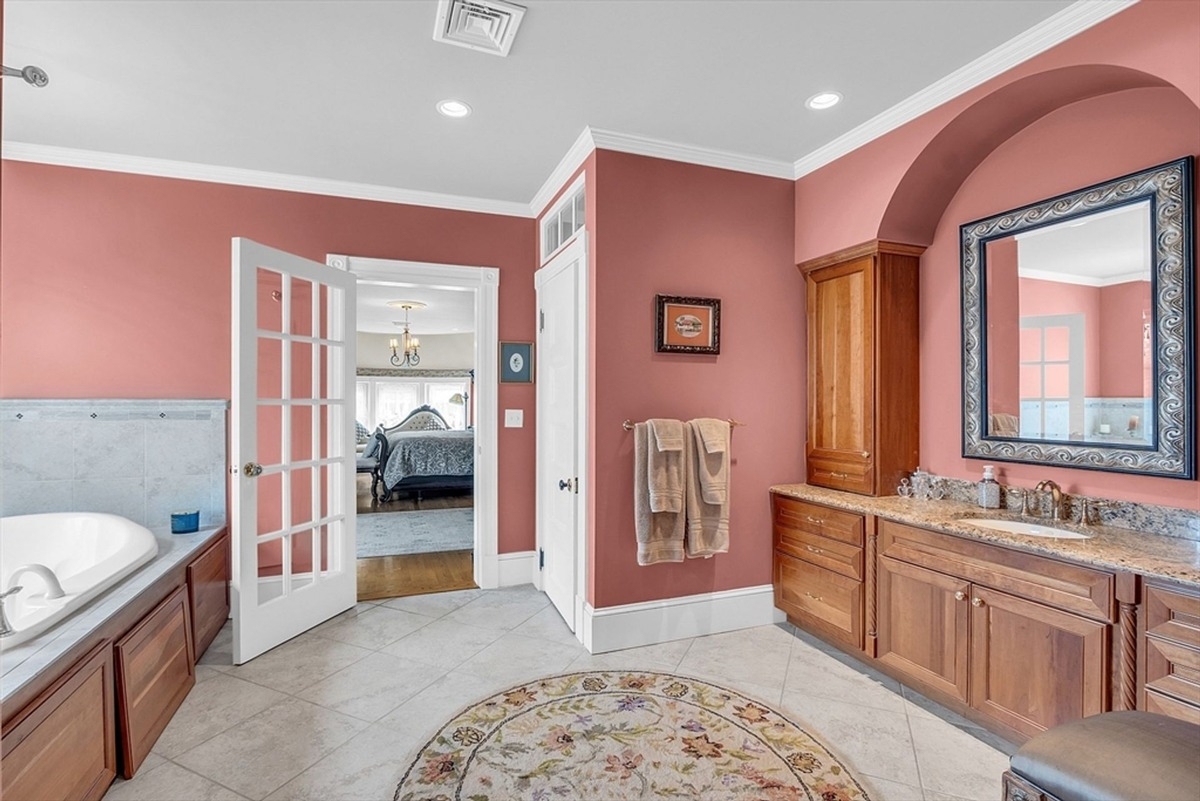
[{"x": 934, "y": 177}]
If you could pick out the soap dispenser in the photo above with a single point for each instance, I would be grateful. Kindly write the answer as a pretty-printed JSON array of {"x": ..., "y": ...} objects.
[{"x": 989, "y": 489}]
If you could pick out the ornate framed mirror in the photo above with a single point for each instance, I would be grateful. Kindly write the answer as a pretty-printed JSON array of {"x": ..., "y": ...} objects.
[{"x": 1078, "y": 328}]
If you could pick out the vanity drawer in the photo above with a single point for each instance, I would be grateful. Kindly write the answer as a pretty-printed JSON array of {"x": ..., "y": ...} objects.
[
  {"x": 824, "y": 552},
  {"x": 1171, "y": 651},
  {"x": 816, "y": 519},
  {"x": 1037, "y": 578},
  {"x": 824, "y": 601}
]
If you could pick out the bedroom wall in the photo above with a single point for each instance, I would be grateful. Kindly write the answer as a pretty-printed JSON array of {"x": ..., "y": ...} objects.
[
  {"x": 118, "y": 286},
  {"x": 664, "y": 227},
  {"x": 1141, "y": 71}
]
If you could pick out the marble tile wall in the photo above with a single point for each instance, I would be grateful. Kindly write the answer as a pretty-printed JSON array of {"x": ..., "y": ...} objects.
[{"x": 141, "y": 459}]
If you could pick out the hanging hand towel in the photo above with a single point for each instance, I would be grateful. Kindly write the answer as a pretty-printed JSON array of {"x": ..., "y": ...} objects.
[
  {"x": 712, "y": 443},
  {"x": 659, "y": 534},
  {"x": 707, "y": 523},
  {"x": 665, "y": 465}
]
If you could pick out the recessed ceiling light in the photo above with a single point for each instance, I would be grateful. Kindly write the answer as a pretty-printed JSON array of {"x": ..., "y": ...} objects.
[
  {"x": 823, "y": 100},
  {"x": 453, "y": 108}
]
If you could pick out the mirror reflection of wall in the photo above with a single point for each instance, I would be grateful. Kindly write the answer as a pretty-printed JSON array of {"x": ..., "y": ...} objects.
[{"x": 1069, "y": 319}]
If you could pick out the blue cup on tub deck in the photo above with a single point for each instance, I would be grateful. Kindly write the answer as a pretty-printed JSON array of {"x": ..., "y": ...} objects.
[{"x": 185, "y": 522}]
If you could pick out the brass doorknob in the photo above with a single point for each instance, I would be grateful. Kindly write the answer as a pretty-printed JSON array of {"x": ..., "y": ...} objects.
[
  {"x": 252, "y": 470},
  {"x": 565, "y": 484}
]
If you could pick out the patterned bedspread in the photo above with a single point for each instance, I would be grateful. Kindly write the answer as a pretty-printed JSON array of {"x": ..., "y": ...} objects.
[{"x": 429, "y": 453}]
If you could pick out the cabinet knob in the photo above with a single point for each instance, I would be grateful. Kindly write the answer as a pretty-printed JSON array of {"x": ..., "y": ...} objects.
[
  {"x": 813, "y": 550},
  {"x": 866, "y": 454},
  {"x": 960, "y": 596},
  {"x": 815, "y": 520},
  {"x": 838, "y": 475},
  {"x": 976, "y": 602},
  {"x": 814, "y": 597}
]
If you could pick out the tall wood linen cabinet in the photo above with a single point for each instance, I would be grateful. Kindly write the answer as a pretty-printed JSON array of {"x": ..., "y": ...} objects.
[{"x": 863, "y": 367}]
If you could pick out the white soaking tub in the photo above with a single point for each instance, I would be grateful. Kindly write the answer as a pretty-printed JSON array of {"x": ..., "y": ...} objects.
[{"x": 89, "y": 552}]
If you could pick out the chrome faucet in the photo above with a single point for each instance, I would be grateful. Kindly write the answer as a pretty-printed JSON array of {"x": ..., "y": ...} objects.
[
  {"x": 1056, "y": 498},
  {"x": 53, "y": 587},
  {"x": 6, "y": 628}
]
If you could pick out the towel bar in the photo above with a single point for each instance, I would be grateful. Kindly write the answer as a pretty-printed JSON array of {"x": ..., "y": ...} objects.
[{"x": 628, "y": 424}]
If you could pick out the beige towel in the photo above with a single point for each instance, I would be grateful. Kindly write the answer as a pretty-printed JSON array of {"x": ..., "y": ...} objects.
[
  {"x": 712, "y": 445},
  {"x": 707, "y": 523},
  {"x": 665, "y": 465},
  {"x": 659, "y": 534}
]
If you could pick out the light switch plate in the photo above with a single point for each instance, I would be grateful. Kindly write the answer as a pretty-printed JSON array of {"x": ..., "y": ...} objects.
[{"x": 514, "y": 418}]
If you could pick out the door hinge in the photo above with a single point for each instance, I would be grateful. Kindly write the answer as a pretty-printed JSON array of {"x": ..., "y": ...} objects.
[
  {"x": 576, "y": 485},
  {"x": 541, "y": 320},
  {"x": 541, "y": 559}
]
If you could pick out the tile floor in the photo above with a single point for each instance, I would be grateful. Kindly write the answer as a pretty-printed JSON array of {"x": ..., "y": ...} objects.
[{"x": 334, "y": 713}]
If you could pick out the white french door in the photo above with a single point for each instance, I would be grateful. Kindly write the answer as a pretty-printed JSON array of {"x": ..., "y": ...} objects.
[
  {"x": 292, "y": 438},
  {"x": 562, "y": 427}
]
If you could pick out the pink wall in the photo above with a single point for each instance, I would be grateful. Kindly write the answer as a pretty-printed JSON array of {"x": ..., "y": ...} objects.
[
  {"x": 1043, "y": 152},
  {"x": 1084, "y": 143},
  {"x": 1047, "y": 298},
  {"x": 118, "y": 286},
  {"x": 1121, "y": 362},
  {"x": 663, "y": 227}
]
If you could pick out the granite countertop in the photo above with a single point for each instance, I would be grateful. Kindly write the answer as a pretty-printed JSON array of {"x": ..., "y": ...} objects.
[
  {"x": 1173, "y": 558},
  {"x": 21, "y": 663}
]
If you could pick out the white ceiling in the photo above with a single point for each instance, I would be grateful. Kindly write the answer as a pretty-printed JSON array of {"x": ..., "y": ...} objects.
[
  {"x": 447, "y": 311},
  {"x": 346, "y": 90}
]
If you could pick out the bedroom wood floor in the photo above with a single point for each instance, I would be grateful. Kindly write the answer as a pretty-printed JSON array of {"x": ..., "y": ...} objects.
[{"x": 418, "y": 573}]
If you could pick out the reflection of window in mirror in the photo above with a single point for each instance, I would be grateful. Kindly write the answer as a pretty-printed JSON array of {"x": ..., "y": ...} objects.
[{"x": 1069, "y": 351}]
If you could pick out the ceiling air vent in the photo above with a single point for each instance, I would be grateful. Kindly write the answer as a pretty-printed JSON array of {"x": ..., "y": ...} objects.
[{"x": 486, "y": 25}]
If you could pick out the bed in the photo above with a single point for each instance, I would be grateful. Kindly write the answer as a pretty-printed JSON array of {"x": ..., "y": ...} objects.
[{"x": 421, "y": 454}]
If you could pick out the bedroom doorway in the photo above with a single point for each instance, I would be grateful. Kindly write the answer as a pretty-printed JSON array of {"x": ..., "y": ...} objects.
[{"x": 425, "y": 488}]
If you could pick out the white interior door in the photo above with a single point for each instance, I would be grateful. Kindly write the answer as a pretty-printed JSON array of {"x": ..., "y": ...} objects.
[
  {"x": 292, "y": 439},
  {"x": 562, "y": 426}
]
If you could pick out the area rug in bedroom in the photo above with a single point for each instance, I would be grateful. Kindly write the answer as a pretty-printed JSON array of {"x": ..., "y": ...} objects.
[
  {"x": 624, "y": 735},
  {"x": 420, "y": 531}
]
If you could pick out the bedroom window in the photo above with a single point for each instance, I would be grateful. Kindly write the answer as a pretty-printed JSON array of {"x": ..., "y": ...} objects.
[{"x": 386, "y": 401}]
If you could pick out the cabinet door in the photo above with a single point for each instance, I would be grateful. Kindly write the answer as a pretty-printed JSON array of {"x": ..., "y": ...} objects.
[
  {"x": 1034, "y": 667},
  {"x": 64, "y": 747},
  {"x": 923, "y": 622},
  {"x": 841, "y": 390},
  {"x": 208, "y": 593},
  {"x": 155, "y": 671}
]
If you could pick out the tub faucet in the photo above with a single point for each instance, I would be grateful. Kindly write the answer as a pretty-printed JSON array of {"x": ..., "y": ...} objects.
[
  {"x": 53, "y": 587},
  {"x": 6, "y": 628}
]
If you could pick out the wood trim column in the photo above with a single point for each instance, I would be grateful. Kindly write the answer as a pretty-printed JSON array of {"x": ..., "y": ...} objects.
[
  {"x": 872, "y": 586},
  {"x": 1128, "y": 590}
]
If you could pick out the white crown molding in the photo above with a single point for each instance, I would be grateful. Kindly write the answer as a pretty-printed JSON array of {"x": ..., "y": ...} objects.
[
  {"x": 691, "y": 154},
  {"x": 191, "y": 171},
  {"x": 1072, "y": 20},
  {"x": 567, "y": 166}
]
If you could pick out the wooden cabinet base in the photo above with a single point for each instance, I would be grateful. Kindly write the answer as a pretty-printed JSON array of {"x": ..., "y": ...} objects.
[
  {"x": 64, "y": 744},
  {"x": 155, "y": 672}
]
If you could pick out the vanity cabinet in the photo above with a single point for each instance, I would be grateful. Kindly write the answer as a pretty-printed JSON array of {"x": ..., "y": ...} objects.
[
  {"x": 1020, "y": 638},
  {"x": 1170, "y": 651},
  {"x": 863, "y": 367},
  {"x": 819, "y": 568}
]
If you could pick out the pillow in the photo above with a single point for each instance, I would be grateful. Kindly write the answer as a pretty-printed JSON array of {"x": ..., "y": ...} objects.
[
  {"x": 361, "y": 434},
  {"x": 423, "y": 421}
]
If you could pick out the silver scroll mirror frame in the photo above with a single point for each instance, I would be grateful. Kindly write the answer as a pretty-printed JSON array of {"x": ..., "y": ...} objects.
[{"x": 1168, "y": 188}]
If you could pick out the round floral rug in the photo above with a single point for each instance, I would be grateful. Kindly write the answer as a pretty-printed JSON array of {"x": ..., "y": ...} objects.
[{"x": 624, "y": 735}]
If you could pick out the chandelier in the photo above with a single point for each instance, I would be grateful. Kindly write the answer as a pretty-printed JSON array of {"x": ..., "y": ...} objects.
[{"x": 404, "y": 349}]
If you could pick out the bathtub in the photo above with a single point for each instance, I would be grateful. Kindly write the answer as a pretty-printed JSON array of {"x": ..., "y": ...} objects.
[{"x": 88, "y": 551}]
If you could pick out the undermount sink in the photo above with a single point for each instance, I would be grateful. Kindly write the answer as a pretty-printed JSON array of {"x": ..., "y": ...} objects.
[{"x": 1028, "y": 529}]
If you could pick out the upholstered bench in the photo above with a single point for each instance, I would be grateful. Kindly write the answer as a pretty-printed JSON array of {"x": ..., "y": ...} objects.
[{"x": 1117, "y": 756}]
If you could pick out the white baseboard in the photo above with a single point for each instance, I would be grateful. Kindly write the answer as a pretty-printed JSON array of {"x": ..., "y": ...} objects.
[
  {"x": 515, "y": 568},
  {"x": 612, "y": 628}
]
